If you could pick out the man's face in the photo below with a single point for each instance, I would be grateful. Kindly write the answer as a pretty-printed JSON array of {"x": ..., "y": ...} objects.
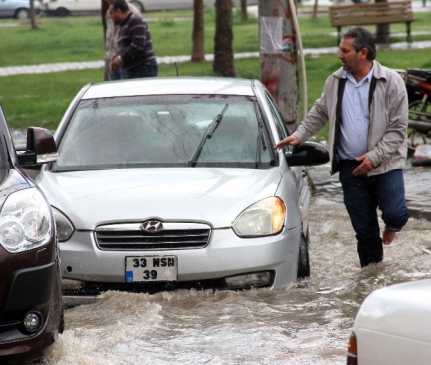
[
  {"x": 114, "y": 14},
  {"x": 350, "y": 59}
]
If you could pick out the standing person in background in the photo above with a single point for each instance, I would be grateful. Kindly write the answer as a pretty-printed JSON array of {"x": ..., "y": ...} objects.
[
  {"x": 111, "y": 47},
  {"x": 367, "y": 108},
  {"x": 135, "y": 49}
]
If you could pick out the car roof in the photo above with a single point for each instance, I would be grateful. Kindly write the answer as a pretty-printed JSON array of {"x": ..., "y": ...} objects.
[{"x": 171, "y": 86}]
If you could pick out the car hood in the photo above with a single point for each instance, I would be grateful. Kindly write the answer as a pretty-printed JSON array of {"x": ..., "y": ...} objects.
[
  {"x": 399, "y": 310},
  {"x": 216, "y": 196}
]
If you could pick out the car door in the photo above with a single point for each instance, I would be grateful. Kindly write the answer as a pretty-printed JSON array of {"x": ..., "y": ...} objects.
[
  {"x": 88, "y": 5},
  {"x": 151, "y": 5},
  {"x": 7, "y": 8}
]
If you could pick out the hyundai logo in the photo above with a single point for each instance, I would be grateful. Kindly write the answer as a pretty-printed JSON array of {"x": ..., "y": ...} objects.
[{"x": 152, "y": 226}]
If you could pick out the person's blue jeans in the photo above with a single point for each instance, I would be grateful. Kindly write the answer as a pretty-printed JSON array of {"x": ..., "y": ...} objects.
[
  {"x": 116, "y": 75},
  {"x": 149, "y": 70},
  {"x": 362, "y": 196}
]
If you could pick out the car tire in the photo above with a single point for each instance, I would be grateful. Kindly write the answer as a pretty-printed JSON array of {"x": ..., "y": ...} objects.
[
  {"x": 304, "y": 257},
  {"x": 22, "y": 13},
  {"x": 62, "y": 324},
  {"x": 138, "y": 5},
  {"x": 61, "y": 12}
]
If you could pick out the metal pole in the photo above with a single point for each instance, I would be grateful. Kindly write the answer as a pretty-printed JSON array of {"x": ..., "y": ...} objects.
[{"x": 279, "y": 57}]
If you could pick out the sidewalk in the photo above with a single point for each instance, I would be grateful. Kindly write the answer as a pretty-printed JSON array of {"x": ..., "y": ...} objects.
[{"x": 68, "y": 66}]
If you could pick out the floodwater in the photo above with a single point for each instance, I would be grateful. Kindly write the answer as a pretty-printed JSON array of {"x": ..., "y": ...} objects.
[{"x": 307, "y": 324}]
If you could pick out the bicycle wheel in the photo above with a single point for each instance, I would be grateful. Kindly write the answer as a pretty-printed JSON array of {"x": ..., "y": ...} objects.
[{"x": 420, "y": 110}]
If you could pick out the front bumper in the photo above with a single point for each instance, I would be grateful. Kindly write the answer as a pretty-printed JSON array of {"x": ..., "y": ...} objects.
[
  {"x": 32, "y": 289},
  {"x": 226, "y": 255}
]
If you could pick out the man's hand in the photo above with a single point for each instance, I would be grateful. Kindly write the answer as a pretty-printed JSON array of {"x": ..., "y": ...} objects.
[
  {"x": 365, "y": 166},
  {"x": 291, "y": 141},
  {"x": 115, "y": 63}
]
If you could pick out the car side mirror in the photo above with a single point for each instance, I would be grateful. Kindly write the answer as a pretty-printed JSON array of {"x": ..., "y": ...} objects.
[
  {"x": 40, "y": 148},
  {"x": 308, "y": 154}
]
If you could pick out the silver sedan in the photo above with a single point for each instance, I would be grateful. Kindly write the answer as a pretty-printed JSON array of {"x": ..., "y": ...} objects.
[
  {"x": 167, "y": 183},
  {"x": 19, "y": 9}
]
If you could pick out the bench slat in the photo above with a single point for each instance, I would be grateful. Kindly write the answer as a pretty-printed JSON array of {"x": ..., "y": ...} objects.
[
  {"x": 376, "y": 13},
  {"x": 356, "y": 20}
]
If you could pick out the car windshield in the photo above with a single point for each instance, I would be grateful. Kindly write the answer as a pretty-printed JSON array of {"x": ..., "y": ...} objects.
[{"x": 165, "y": 131}]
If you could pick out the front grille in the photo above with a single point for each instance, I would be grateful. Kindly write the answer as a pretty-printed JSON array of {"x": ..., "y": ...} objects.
[{"x": 174, "y": 236}]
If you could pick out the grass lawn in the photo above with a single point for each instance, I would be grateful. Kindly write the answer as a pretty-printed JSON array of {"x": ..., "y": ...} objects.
[{"x": 42, "y": 99}]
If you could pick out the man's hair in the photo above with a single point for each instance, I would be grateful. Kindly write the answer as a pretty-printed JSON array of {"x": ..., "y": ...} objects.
[
  {"x": 363, "y": 38},
  {"x": 121, "y": 5}
]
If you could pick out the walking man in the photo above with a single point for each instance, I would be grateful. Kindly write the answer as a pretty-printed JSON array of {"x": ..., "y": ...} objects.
[
  {"x": 367, "y": 109},
  {"x": 135, "y": 49},
  {"x": 111, "y": 42}
]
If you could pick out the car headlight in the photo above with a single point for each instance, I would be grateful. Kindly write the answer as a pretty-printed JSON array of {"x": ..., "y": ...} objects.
[
  {"x": 25, "y": 221},
  {"x": 64, "y": 225},
  {"x": 264, "y": 218}
]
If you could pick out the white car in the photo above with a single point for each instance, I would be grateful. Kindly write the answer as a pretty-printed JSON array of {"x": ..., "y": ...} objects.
[
  {"x": 165, "y": 183},
  {"x": 393, "y": 326},
  {"x": 18, "y": 9},
  {"x": 67, "y": 7}
]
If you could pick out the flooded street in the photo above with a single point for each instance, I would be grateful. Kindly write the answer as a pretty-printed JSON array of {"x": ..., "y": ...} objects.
[{"x": 308, "y": 324}]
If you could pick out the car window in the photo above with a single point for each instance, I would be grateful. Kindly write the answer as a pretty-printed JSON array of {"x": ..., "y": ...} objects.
[
  {"x": 160, "y": 131},
  {"x": 281, "y": 127}
]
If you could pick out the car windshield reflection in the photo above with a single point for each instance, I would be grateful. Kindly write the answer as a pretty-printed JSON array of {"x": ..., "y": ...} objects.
[{"x": 155, "y": 131}]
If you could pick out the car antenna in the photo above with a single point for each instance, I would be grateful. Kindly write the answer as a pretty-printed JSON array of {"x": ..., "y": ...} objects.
[{"x": 176, "y": 67}]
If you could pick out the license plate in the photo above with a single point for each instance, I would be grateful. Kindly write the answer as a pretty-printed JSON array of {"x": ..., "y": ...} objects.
[{"x": 151, "y": 268}]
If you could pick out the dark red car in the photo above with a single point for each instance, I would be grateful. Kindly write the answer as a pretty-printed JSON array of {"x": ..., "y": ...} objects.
[{"x": 31, "y": 314}]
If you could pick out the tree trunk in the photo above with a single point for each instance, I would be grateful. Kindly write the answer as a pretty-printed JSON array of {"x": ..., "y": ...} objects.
[
  {"x": 104, "y": 9},
  {"x": 223, "y": 39},
  {"x": 32, "y": 15},
  {"x": 198, "y": 52},
  {"x": 315, "y": 9},
  {"x": 244, "y": 14},
  {"x": 383, "y": 32}
]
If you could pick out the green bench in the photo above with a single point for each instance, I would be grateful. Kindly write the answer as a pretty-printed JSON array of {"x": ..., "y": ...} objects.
[{"x": 375, "y": 13}]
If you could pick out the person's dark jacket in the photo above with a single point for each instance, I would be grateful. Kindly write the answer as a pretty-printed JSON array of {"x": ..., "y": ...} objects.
[{"x": 134, "y": 42}]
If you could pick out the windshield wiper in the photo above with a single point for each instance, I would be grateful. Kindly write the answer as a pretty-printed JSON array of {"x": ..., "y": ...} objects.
[
  {"x": 259, "y": 152},
  {"x": 207, "y": 135}
]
